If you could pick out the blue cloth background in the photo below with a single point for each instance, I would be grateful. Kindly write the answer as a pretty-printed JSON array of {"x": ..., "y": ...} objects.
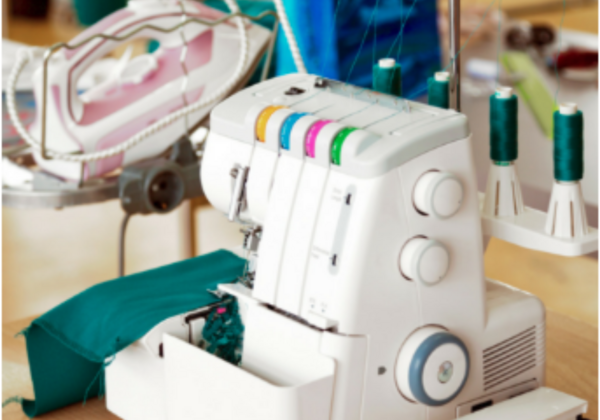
[
  {"x": 329, "y": 45},
  {"x": 330, "y": 50}
]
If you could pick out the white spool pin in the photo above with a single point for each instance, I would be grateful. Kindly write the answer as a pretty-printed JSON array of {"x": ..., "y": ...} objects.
[
  {"x": 504, "y": 92},
  {"x": 568, "y": 108},
  {"x": 387, "y": 63},
  {"x": 441, "y": 76}
]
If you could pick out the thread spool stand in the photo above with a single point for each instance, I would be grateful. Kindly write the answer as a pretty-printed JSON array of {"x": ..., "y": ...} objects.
[
  {"x": 503, "y": 196},
  {"x": 566, "y": 212},
  {"x": 439, "y": 90},
  {"x": 387, "y": 77}
]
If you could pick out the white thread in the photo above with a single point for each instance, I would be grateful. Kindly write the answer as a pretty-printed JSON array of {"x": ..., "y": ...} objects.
[
  {"x": 24, "y": 56},
  {"x": 289, "y": 33}
]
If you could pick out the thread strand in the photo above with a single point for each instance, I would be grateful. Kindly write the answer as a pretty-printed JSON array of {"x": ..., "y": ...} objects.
[
  {"x": 463, "y": 46},
  {"x": 362, "y": 43},
  {"x": 332, "y": 37},
  {"x": 560, "y": 28},
  {"x": 400, "y": 35},
  {"x": 12, "y": 400},
  {"x": 498, "y": 43}
]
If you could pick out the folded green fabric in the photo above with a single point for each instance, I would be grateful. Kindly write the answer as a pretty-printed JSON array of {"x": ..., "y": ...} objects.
[{"x": 69, "y": 346}]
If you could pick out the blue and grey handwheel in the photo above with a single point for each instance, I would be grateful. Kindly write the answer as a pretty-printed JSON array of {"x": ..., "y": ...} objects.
[{"x": 432, "y": 367}]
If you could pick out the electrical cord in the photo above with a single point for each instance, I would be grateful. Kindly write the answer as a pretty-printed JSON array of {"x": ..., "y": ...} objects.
[
  {"x": 289, "y": 33},
  {"x": 25, "y": 55},
  {"x": 122, "y": 232}
]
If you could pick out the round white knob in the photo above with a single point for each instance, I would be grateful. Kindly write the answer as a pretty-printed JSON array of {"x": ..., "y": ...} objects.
[
  {"x": 424, "y": 260},
  {"x": 432, "y": 367},
  {"x": 439, "y": 194}
]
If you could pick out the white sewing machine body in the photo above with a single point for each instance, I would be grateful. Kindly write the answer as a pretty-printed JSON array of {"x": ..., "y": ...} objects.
[
  {"x": 147, "y": 88},
  {"x": 369, "y": 299}
]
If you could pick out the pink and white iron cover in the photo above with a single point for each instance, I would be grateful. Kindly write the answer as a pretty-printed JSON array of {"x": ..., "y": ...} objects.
[{"x": 146, "y": 89}]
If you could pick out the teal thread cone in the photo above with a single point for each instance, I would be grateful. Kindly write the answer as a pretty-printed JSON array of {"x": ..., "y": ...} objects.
[
  {"x": 568, "y": 146},
  {"x": 387, "y": 77},
  {"x": 504, "y": 127},
  {"x": 438, "y": 91}
]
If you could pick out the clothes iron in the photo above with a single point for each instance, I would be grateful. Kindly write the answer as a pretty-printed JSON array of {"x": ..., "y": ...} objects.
[{"x": 149, "y": 101}]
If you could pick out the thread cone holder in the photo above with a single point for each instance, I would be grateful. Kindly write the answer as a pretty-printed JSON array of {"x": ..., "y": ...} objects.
[
  {"x": 503, "y": 195},
  {"x": 566, "y": 214}
]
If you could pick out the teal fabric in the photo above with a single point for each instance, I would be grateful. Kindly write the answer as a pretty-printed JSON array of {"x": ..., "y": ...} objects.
[{"x": 69, "y": 346}]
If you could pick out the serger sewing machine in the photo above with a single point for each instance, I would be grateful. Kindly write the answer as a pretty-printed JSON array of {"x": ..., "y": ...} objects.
[{"x": 365, "y": 296}]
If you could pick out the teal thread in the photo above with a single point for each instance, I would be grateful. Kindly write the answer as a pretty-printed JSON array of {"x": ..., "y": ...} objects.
[
  {"x": 498, "y": 42},
  {"x": 23, "y": 332},
  {"x": 503, "y": 128},
  {"x": 410, "y": 10},
  {"x": 487, "y": 11},
  {"x": 332, "y": 38},
  {"x": 224, "y": 331},
  {"x": 568, "y": 146},
  {"x": 12, "y": 400},
  {"x": 401, "y": 25},
  {"x": 362, "y": 43},
  {"x": 388, "y": 80},
  {"x": 89, "y": 387},
  {"x": 375, "y": 33},
  {"x": 100, "y": 376},
  {"x": 560, "y": 27},
  {"x": 102, "y": 384},
  {"x": 463, "y": 46},
  {"x": 400, "y": 36},
  {"x": 438, "y": 93}
]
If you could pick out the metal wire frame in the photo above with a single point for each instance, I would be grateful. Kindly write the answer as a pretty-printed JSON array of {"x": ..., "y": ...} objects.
[
  {"x": 210, "y": 23},
  {"x": 454, "y": 27}
]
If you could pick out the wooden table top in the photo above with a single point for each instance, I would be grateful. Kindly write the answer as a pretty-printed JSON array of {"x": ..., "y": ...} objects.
[{"x": 571, "y": 356}]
